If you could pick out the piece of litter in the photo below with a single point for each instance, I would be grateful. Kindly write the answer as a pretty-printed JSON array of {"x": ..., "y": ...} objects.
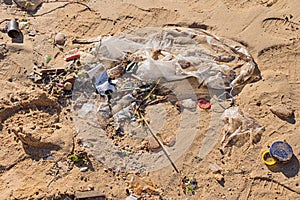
[
  {"x": 47, "y": 59},
  {"x": 204, "y": 104},
  {"x": 239, "y": 127},
  {"x": 100, "y": 79},
  {"x": 267, "y": 158},
  {"x": 131, "y": 197},
  {"x": 282, "y": 151},
  {"x": 84, "y": 169}
]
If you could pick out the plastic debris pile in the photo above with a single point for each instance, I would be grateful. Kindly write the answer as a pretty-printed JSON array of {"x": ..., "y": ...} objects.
[
  {"x": 125, "y": 78},
  {"x": 57, "y": 82}
]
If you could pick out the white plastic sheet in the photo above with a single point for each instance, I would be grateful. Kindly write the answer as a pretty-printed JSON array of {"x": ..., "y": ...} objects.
[{"x": 178, "y": 53}]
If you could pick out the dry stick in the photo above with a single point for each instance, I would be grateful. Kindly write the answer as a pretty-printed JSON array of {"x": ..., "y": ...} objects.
[
  {"x": 160, "y": 144},
  {"x": 87, "y": 41}
]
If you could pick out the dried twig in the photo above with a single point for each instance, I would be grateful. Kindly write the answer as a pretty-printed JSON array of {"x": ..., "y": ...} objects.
[{"x": 87, "y": 41}]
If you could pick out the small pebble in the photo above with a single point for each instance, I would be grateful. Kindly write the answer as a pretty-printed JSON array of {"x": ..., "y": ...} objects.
[
  {"x": 153, "y": 144},
  {"x": 282, "y": 112},
  {"x": 84, "y": 169},
  {"x": 59, "y": 38},
  {"x": 91, "y": 187},
  {"x": 49, "y": 158},
  {"x": 215, "y": 168},
  {"x": 68, "y": 86},
  {"x": 219, "y": 177},
  {"x": 144, "y": 143},
  {"x": 188, "y": 103}
]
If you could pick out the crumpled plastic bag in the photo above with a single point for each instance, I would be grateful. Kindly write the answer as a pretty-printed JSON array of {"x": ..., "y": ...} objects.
[
  {"x": 100, "y": 78},
  {"x": 239, "y": 128},
  {"x": 177, "y": 53}
]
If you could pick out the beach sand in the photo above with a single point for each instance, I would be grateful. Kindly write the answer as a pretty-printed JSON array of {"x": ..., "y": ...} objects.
[{"x": 268, "y": 28}]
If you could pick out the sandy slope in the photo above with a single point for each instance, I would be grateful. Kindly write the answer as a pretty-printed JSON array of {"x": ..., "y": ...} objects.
[{"x": 269, "y": 29}]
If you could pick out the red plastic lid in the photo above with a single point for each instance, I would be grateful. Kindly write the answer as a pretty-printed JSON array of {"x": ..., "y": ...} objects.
[{"x": 204, "y": 104}]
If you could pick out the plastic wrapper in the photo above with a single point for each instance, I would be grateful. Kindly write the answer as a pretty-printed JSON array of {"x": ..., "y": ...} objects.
[{"x": 239, "y": 128}]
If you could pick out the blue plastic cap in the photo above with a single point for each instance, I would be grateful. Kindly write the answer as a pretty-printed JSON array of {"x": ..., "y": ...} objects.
[{"x": 282, "y": 151}]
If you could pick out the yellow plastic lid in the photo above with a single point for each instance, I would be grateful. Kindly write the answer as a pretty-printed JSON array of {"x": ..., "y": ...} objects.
[{"x": 266, "y": 157}]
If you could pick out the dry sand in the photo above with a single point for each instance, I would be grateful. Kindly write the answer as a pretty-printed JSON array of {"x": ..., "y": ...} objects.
[{"x": 269, "y": 29}]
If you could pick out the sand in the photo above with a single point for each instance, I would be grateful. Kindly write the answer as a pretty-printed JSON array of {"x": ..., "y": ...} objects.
[{"x": 38, "y": 134}]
